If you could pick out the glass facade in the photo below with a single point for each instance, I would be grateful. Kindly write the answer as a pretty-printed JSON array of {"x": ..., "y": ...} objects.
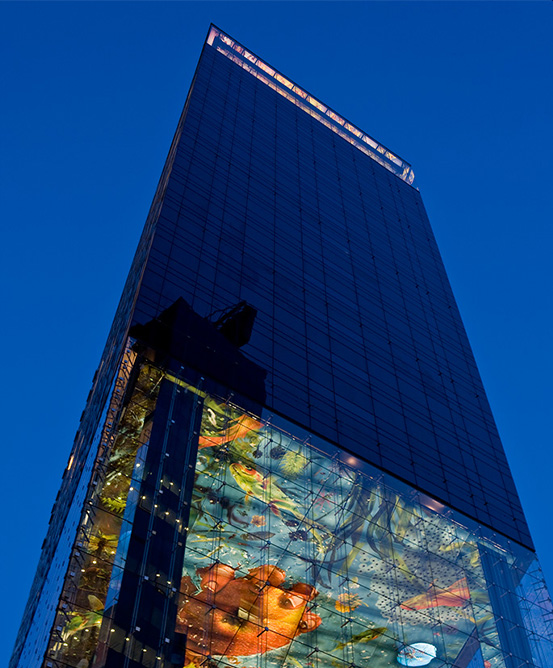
[
  {"x": 212, "y": 536},
  {"x": 356, "y": 321},
  {"x": 287, "y": 457}
]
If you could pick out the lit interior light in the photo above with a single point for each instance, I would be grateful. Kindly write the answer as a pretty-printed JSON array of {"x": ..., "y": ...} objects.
[
  {"x": 283, "y": 86},
  {"x": 431, "y": 503}
]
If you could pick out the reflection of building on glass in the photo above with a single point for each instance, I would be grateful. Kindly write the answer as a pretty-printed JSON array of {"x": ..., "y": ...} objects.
[{"x": 287, "y": 459}]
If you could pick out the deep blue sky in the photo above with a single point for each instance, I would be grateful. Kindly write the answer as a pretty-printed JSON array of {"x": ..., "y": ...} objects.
[{"x": 91, "y": 96}]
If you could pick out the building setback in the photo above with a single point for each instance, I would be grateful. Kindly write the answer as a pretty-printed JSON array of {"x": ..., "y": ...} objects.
[{"x": 287, "y": 457}]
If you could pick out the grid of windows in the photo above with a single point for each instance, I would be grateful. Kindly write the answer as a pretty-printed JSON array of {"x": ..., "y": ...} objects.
[
  {"x": 315, "y": 108},
  {"x": 217, "y": 537},
  {"x": 356, "y": 321},
  {"x": 361, "y": 349}
]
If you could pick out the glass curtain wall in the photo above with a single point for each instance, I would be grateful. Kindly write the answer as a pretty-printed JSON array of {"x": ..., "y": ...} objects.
[{"x": 252, "y": 543}]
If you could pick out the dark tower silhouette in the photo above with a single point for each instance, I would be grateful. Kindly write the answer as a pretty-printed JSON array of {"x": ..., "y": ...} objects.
[{"x": 287, "y": 457}]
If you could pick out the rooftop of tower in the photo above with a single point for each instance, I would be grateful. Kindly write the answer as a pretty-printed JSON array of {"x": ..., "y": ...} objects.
[{"x": 301, "y": 98}]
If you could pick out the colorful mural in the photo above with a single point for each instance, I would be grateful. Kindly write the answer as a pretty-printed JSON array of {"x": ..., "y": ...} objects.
[
  {"x": 296, "y": 554},
  {"x": 99, "y": 556},
  {"x": 294, "y": 558}
]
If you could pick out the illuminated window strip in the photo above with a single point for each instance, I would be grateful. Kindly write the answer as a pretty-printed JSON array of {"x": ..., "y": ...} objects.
[{"x": 239, "y": 55}]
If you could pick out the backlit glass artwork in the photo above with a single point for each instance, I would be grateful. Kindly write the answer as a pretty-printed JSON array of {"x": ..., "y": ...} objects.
[
  {"x": 296, "y": 554},
  {"x": 296, "y": 557}
]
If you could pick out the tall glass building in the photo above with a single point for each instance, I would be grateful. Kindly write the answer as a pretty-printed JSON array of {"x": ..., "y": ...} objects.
[{"x": 287, "y": 458}]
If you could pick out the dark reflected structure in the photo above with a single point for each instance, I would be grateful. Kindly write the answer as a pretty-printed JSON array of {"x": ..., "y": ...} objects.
[{"x": 287, "y": 457}]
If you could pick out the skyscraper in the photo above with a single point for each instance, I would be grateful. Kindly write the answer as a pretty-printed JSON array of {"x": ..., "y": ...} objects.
[{"x": 287, "y": 456}]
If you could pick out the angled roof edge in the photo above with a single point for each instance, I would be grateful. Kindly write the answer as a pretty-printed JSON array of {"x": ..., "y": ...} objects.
[{"x": 258, "y": 68}]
